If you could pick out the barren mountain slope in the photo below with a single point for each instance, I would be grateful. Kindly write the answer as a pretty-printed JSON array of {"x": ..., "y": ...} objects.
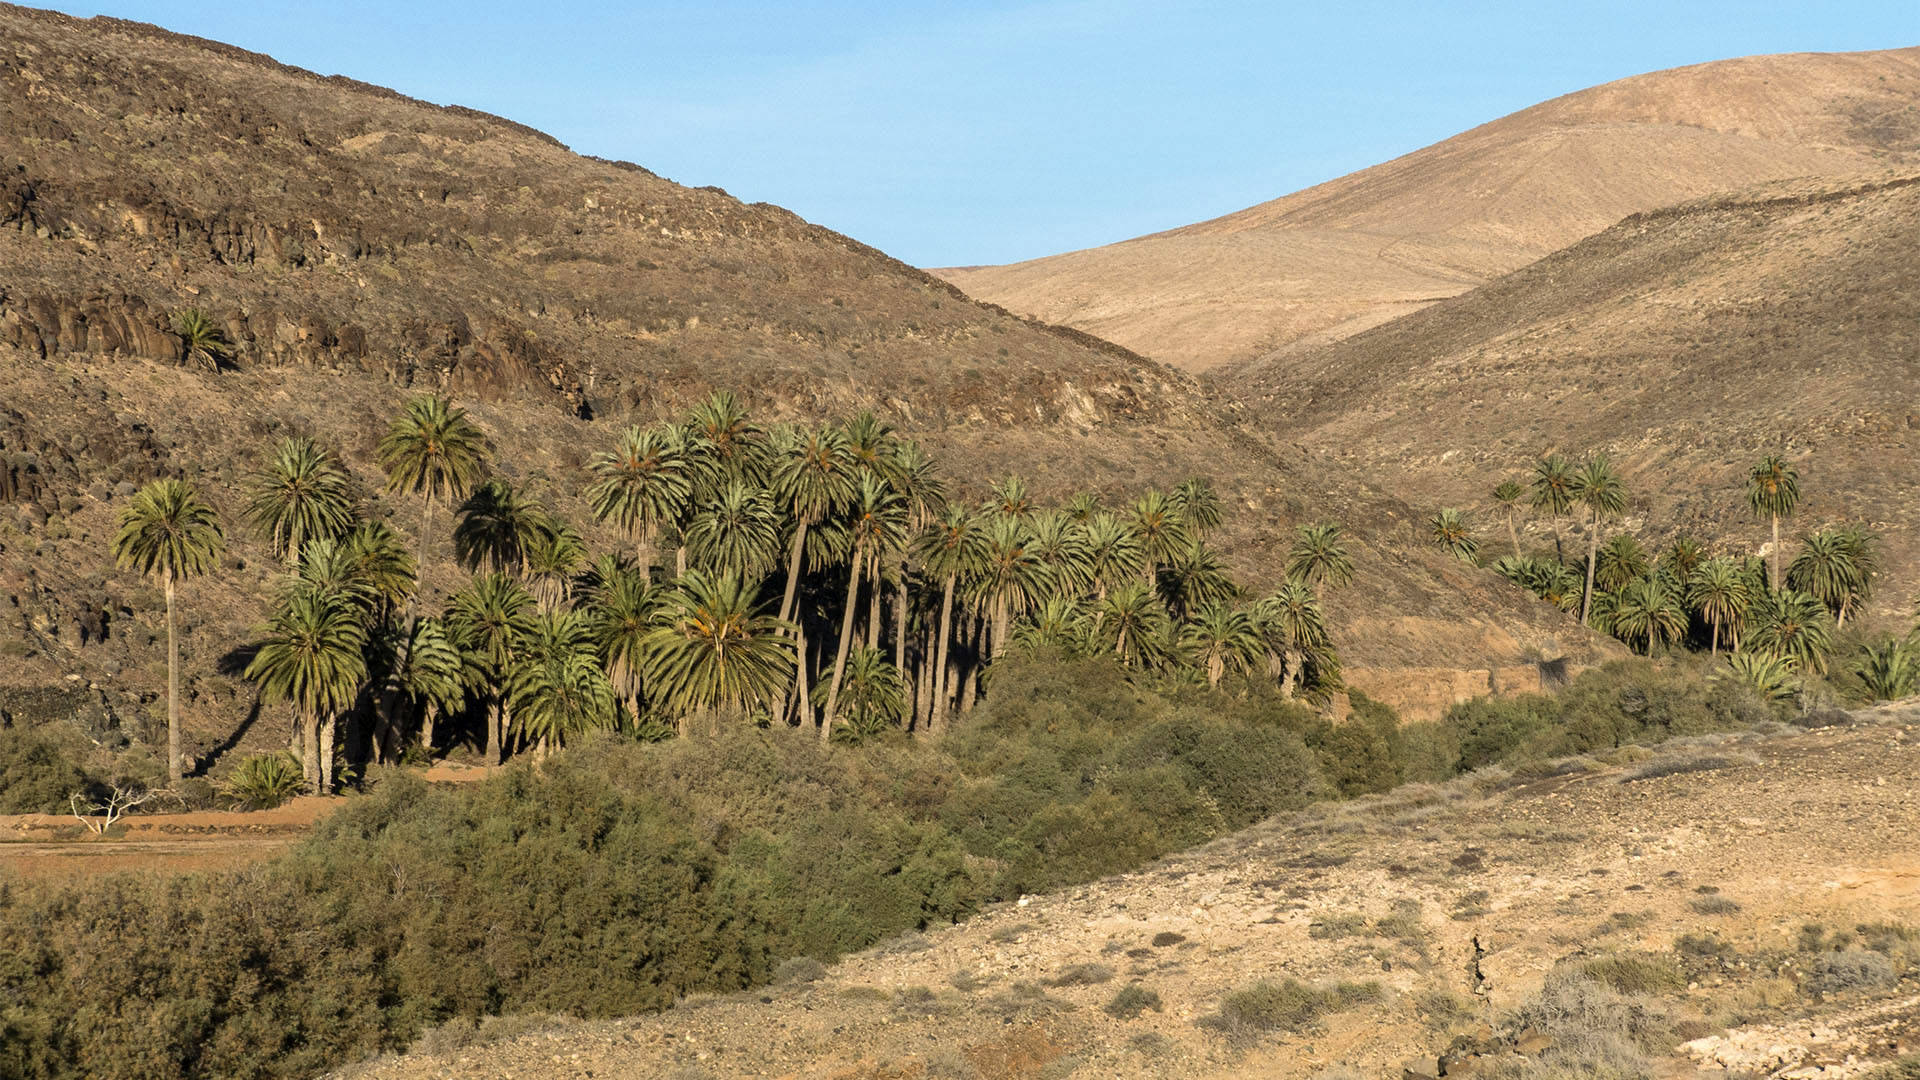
[
  {"x": 1701, "y": 862},
  {"x": 1687, "y": 342},
  {"x": 359, "y": 247},
  {"x": 1338, "y": 258}
]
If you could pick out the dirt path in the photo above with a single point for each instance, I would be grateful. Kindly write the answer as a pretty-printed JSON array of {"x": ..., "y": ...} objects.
[{"x": 1455, "y": 900}]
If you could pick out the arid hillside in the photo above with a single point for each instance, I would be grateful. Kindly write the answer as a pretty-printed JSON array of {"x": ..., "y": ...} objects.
[
  {"x": 1687, "y": 342},
  {"x": 1740, "y": 905},
  {"x": 1333, "y": 260},
  {"x": 357, "y": 247}
]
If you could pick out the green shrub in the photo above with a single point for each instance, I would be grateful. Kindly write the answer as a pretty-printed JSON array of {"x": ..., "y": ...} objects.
[
  {"x": 1288, "y": 1006},
  {"x": 1634, "y": 972},
  {"x": 1082, "y": 975},
  {"x": 37, "y": 773},
  {"x": 1132, "y": 1000},
  {"x": 263, "y": 781}
]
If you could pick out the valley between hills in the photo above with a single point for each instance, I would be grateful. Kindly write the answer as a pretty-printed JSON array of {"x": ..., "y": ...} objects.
[{"x": 543, "y": 620}]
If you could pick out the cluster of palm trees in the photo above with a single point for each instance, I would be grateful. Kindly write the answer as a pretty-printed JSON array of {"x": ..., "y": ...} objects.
[
  {"x": 814, "y": 577},
  {"x": 1775, "y": 625}
]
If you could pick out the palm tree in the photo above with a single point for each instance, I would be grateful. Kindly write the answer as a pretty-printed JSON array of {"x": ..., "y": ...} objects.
[
  {"x": 554, "y": 559},
  {"x": 1507, "y": 493},
  {"x": 201, "y": 339},
  {"x": 1647, "y": 611},
  {"x": 952, "y": 549},
  {"x": 1680, "y": 557},
  {"x": 872, "y": 448},
  {"x": 1058, "y": 623},
  {"x": 302, "y": 493},
  {"x": 621, "y": 613},
  {"x": 1598, "y": 488},
  {"x": 723, "y": 443},
  {"x": 813, "y": 476},
  {"x": 1060, "y": 545},
  {"x": 1890, "y": 670},
  {"x": 917, "y": 479},
  {"x": 1621, "y": 560},
  {"x": 737, "y": 534},
  {"x": 1773, "y": 492},
  {"x": 1160, "y": 530},
  {"x": 1319, "y": 556},
  {"x": 556, "y": 686},
  {"x": 1449, "y": 529},
  {"x": 1769, "y": 676},
  {"x": 1718, "y": 591},
  {"x": 167, "y": 532},
  {"x": 1553, "y": 491},
  {"x": 1835, "y": 567},
  {"x": 1199, "y": 507},
  {"x": 640, "y": 485},
  {"x": 709, "y": 649},
  {"x": 1794, "y": 626},
  {"x": 383, "y": 573},
  {"x": 433, "y": 450},
  {"x": 1221, "y": 638},
  {"x": 1114, "y": 555},
  {"x": 875, "y": 697},
  {"x": 1194, "y": 578},
  {"x": 495, "y": 528},
  {"x": 1082, "y": 507},
  {"x": 488, "y": 619},
  {"x": 431, "y": 672},
  {"x": 1292, "y": 628},
  {"x": 876, "y": 525},
  {"x": 1131, "y": 624},
  {"x": 312, "y": 658},
  {"x": 1011, "y": 579}
]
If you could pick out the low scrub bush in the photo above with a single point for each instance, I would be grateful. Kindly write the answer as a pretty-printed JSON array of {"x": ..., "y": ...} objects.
[
  {"x": 1853, "y": 969},
  {"x": 1132, "y": 1000},
  {"x": 1634, "y": 972},
  {"x": 1289, "y": 1005}
]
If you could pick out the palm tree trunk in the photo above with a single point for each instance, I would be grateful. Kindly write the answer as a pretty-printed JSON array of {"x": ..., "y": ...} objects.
[
  {"x": 493, "y": 728},
  {"x": 1714, "y": 625},
  {"x": 1593, "y": 551},
  {"x": 794, "y": 556},
  {"x": 942, "y": 657},
  {"x": 680, "y": 560},
  {"x": 846, "y": 641},
  {"x": 1294, "y": 660},
  {"x": 1001, "y": 616},
  {"x": 900, "y": 624},
  {"x": 310, "y": 752},
  {"x": 923, "y": 677},
  {"x": 1513, "y": 533},
  {"x": 873, "y": 603},
  {"x": 326, "y": 736},
  {"x": 1216, "y": 667},
  {"x": 420, "y": 556},
  {"x": 426, "y": 729},
  {"x": 174, "y": 771},
  {"x": 1773, "y": 556}
]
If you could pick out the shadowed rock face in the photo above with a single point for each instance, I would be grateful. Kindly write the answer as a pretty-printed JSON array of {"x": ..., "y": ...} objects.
[
  {"x": 356, "y": 247},
  {"x": 1339, "y": 258}
]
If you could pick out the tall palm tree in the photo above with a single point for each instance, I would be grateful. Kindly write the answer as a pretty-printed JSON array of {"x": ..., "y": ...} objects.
[
  {"x": 1114, "y": 555},
  {"x": 1060, "y": 545},
  {"x": 951, "y": 550},
  {"x": 201, "y": 339},
  {"x": 1449, "y": 529},
  {"x": 1131, "y": 624},
  {"x": 1198, "y": 505},
  {"x": 1221, "y": 638},
  {"x": 1773, "y": 492},
  {"x": 302, "y": 493},
  {"x": 383, "y": 572},
  {"x": 737, "y": 534},
  {"x": 556, "y": 686},
  {"x": 312, "y": 658},
  {"x": 723, "y": 443},
  {"x": 813, "y": 476},
  {"x": 1718, "y": 591},
  {"x": 1160, "y": 530},
  {"x": 431, "y": 673},
  {"x": 1507, "y": 493},
  {"x": 872, "y": 447},
  {"x": 554, "y": 560},
  {"x": 432, "y": 450},
  {"x": 1794, "y": 626},
  {"x": 1082, "y": 507},
  {"x": 1597, "y": 487},
  {"x": 1679, "y": 558},
  {"x": 710, "y": 649},
  {"x": 488, "y": 619},
  {"x": 1319, "y": 556},
  {"x": 494, "y": 528},
  {"x": 875, "y": 698},
  {"x": 1647, "y": 611},
  {"x": 1621, "y": 561},
  {"x": 167, "y": 532},
  {"x": 641, "y": 485},
  {"x": 917, "y": 479},
  {"x": 876, "y": 525},
  {"x": 1011, "y": 579},
  {"x": 1553, "y": 491},
  {"x": 1291, "y": 627},
  {"x": 1835, "y": 567},
  {"x": 1058, "y": 623},
  {"x": 1010, "y": 499}
]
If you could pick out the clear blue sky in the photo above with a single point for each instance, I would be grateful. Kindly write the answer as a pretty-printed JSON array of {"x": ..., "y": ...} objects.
[{"x": 950, "y": 133}]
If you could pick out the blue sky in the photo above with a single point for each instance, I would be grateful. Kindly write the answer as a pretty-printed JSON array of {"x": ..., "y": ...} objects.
[{"x": 951, "y": 134}]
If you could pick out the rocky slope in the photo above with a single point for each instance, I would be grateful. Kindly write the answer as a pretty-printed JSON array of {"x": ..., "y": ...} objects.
[
  {"x": 1333, "y": 260},
  {"x": 1701, "y": 862},
  {"x": 358, "y": 247},
  {"x": 1686, "y": 341}
]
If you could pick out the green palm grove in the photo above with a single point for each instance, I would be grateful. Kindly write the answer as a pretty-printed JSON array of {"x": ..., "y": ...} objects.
[{"x": 815, "y": 578}]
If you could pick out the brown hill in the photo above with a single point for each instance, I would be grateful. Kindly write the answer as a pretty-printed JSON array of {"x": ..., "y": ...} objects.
[
  {"x": 358, "y": 247},
  {"x": 1686, "y": 341},
  {"x": 1335, "y": 259}
]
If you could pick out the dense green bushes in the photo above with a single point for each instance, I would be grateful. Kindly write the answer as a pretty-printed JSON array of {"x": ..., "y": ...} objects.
[{"x": 620, "y": 876}]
